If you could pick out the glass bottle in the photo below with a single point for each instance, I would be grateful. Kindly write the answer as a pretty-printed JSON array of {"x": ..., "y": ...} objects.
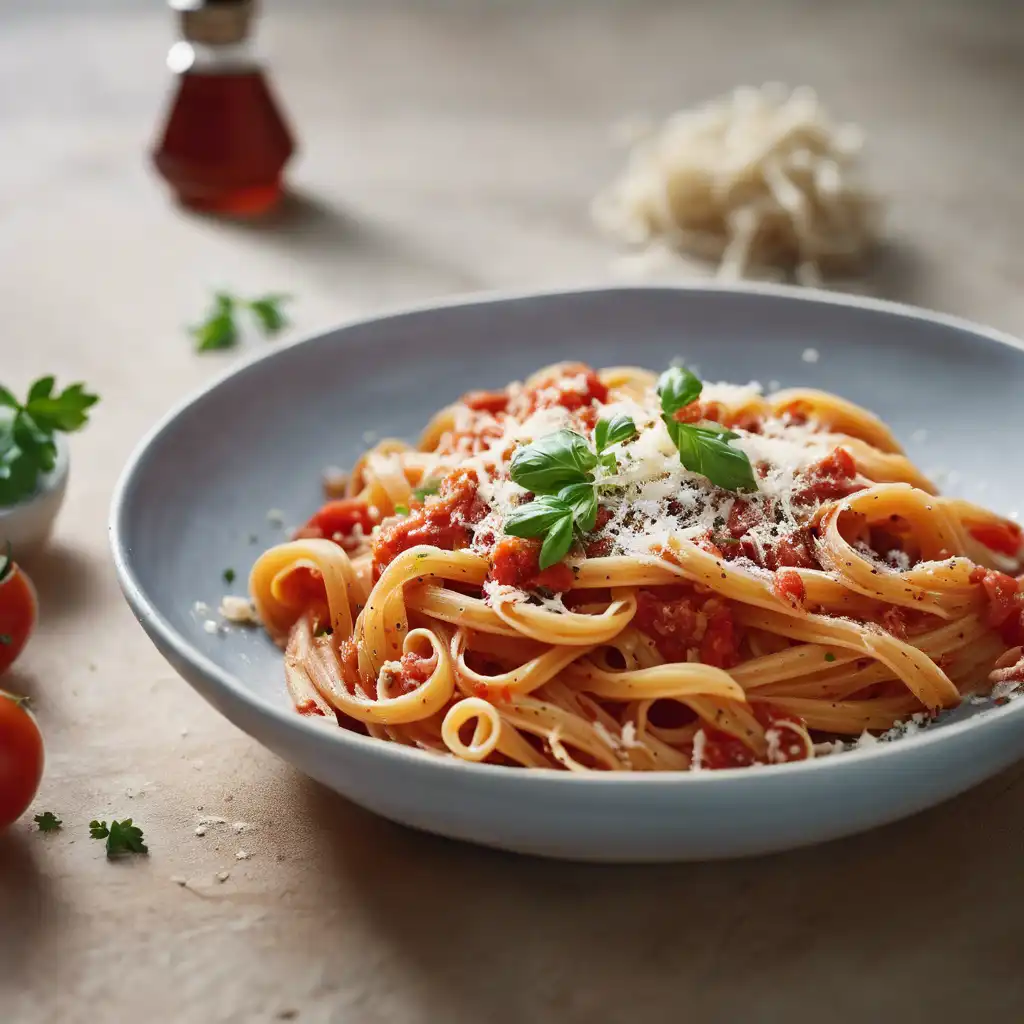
[{"x": 225, "y": 142}]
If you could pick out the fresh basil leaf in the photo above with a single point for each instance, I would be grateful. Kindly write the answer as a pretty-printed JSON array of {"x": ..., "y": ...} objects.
[
  {"x": 6, "y": 398},
  {"x": 620, "y": 428},
  {"x": 552, "y": 462},
  {"x": 557, "y": 542},
  {"x": 601, "y": 435},
  {"x": 707, "y": 451},
  {"x": 582, "y": 499},
  {"x": 609, "y": 462},
  {"x": 678, "y": 387},
  {"x": 537, "y": 517}
]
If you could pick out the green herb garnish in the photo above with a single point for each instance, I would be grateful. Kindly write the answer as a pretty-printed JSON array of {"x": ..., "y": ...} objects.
[
  {"x": 401, "y": 510},
  {"x": 704, "y": 450},
  {"x": 830, "y": 656},
  {"x": 47, "y": 821},
  {"x": 425, "y": 489},
  {"x": 229, "y": 576},
  {"x": 122, "y": 837},
  {"x": 220, "y": 328},
  {"x": 559, "y": 468},
  {"x": 27, "y": 446}
]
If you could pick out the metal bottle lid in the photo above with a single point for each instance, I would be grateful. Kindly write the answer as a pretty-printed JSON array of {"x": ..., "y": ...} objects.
[{"x": 214, "y": 22}]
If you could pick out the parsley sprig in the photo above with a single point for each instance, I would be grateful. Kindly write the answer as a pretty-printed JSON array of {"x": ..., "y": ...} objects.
[
  {"x": 121, "y": 836},
  {"x": 220, "y": 328},
  {"x": 559, "y": 469},
  {"x": 27, "y": 429},
  {"x": 704, "y": 450},
  {"x": 48, "y": 821}
]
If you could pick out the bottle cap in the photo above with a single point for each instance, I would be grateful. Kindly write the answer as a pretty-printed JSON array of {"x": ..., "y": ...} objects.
[{"x": 214, "y": 22}]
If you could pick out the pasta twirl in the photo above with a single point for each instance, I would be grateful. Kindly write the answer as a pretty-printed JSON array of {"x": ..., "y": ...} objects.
[{"x": 554, "y": 578}]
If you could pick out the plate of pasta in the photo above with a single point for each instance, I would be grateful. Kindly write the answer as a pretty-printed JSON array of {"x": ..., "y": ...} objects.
[{"x": 618, "y": 574}]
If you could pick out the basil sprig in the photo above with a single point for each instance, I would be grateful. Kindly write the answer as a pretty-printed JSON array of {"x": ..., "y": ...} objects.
[
  {"x": 704, "y": 450},
  {"x": 559, "y": 469}
]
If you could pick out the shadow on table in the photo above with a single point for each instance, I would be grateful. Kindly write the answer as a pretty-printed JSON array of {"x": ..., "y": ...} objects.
[
  {"x": 920, "y": 918},
  {"x": 896, "y": 272},
  {"x": 27, "y": 908},
  {"x": 330, "y": 239},
  {"x": 65, "y": 579}
]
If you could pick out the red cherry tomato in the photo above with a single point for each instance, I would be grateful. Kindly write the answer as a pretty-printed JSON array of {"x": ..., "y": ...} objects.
[
  {"x": 21, "y": 758},
  {"x": 18, "y": 611}
]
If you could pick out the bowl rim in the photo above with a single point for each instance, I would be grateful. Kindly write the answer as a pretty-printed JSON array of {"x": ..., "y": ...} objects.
[{"x": 304, "y": 727}]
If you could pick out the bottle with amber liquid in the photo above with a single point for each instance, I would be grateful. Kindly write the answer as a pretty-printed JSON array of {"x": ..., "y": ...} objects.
[{"x": 225, "y": 142}]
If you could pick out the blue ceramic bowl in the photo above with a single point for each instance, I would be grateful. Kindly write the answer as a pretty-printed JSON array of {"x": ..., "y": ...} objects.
[{"x": 194, "y": 499}]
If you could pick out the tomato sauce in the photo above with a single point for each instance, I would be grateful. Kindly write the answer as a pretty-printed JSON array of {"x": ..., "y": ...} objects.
[
  {"x": 679, "y": 621},
  {"x": 788, "y": 586},
  {"x": 723, "y": 750},
  {"x": 832, "y": 478},
  {"x": 790, "y": 551},
  {"x": 1005, "y": 538},
  {"x": 1005, "y": 603},
  {"x": 337, "y": 521},
  {"x": 441, "y": 523},
  {"x": 515, "y": 562},
  {"x": 573, "y": 387}
]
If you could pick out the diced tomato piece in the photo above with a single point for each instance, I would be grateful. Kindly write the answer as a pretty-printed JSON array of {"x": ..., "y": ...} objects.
[
  {"x": 1003, "y": 537},
  {"x": 833, "y": 477},
  {"x": 1001, "y": 592},
  {"x": 441, "y": 523},
  {"x": 515, "y": 562},
  {"x": 794, "y": 551},
  {"x": 672, "y": 618},
  {"x": 486, "y": 401},
  {"x": 788, "y": 586},
  {"x": 338, "y": 519},
  {"x": 719, "y": 646},
  {"x": 697, "y": 410}
]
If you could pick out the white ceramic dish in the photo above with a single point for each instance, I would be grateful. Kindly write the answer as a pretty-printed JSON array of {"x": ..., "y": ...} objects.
[
  {"x": 258, "y": 438},
  {"x": 28, "y": 525}
]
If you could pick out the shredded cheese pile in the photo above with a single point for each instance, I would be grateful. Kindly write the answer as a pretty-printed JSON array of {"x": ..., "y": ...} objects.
[{"x": 756, "y": 180}]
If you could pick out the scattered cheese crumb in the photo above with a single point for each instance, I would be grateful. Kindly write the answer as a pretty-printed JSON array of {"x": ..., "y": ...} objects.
[
  {"x": 179, "y": 880},
  {"x": 240, "y": 826},
  {"x": 275, "y": 517},
  {"x": 222, "y": 876},
  {"x": 211, "y": 626},
  {"x": 201, "y": 608},
  {"x": 239, "y": 610},
  {"x": 242, "y": 855},
  {"x": 810, "y": 355},
  {"x": 201, "y": 830}
]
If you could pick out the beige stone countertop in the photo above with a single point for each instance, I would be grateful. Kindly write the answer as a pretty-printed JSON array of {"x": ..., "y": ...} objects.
[{"x": 447, "y": 147}]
